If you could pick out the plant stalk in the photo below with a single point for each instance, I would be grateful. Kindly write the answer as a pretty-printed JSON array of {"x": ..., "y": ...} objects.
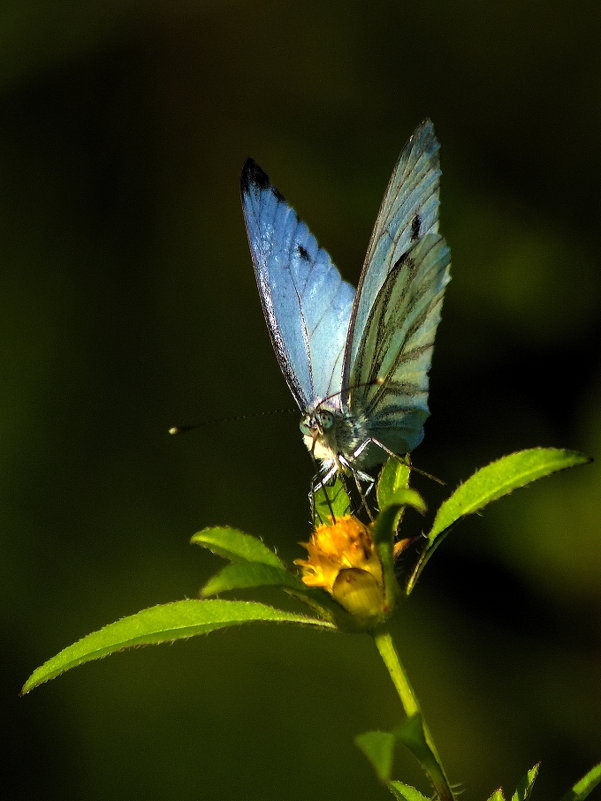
[{"x": 421, "y": 746}]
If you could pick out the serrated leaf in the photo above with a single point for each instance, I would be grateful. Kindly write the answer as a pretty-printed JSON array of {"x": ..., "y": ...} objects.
[
  {"x": 244, "y": 575},
  {"x": 394, "y": 476},
  {"x": 490, "y": 483},
  {"x": 229, "y": 543},
  {"x": 378, "y": 747},
  {"x": 501, "y": 478},
  {"x": 164, "y": 623},
  {"x": 497, "y": 796},
  {"x": 405, "y": 792},
  {"x": 585, "y": 786},
  {"x": 330, "y": 502},
  {"x": 525, "y": 786}
]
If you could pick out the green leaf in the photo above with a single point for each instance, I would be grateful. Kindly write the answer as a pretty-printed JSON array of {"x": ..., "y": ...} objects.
[
  {"x": 491, "y": 483},
  {"x": 243, "y": 575},
  {"x": 240, "y": 575},
  {"x": 384, "y": 526},
  {"x": 524, "y": 788},
  {"x": 393, "y": 487},
  {"x": 497, "y": 796},
  {"x": 331, "y": 501},
  {"x": 583, "y": 788},
  {"x": 164, "y": 623},
  {"x": 394, "y": 476},
  {"x": 236, "y": 546},
  {"x": 501, "y": 478},
  {"x": 383, "y": 535},
  {"x": 405, "y": 792},
  {"x": 378, "y": 747},
  {"x": 410, "y": 497}
]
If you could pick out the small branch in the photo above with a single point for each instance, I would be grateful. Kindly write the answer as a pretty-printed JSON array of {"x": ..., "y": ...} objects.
[{"x": 425, "y": 751}]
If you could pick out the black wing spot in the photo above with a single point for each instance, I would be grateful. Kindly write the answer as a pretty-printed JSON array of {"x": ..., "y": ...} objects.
[
  {"x": 416, "y": 224},
  {"x": 303, "y": 253}
]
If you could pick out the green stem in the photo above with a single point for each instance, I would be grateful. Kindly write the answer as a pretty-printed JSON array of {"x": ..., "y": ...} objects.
[{"x": 419, "y": 740}]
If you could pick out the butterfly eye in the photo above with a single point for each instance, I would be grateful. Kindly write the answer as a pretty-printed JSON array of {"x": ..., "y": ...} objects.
[
  {"x": 326, "y": 419},
  {"x": 307, "y": 424},
  {"x": 316, "y": 422}
]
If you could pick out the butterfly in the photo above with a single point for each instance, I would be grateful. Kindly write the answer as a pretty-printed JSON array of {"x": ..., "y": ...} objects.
[{"x": 356, "y": 362}]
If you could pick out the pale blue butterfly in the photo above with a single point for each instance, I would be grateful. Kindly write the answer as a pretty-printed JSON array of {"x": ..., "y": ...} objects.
[{"x": 356, "y": 362}]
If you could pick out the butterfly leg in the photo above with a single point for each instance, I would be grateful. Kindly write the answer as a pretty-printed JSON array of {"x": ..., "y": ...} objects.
[
  {"x": 406, "y": 459},
  {"x": 358, "y": 477},
  {"x": 377, "y": 443},
  {"x": 363, "y": 495}
]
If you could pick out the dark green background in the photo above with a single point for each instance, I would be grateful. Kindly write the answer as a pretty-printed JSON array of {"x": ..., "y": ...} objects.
[{"x": 128, "y": 304}]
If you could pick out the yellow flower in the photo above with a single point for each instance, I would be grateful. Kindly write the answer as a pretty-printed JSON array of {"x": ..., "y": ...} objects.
[{"x": 343, "y": 559}]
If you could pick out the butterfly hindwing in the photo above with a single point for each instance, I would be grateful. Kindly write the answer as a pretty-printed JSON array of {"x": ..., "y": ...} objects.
[
  {"x": 389, "y": 376},
  {"x": 306, "y": 303}
]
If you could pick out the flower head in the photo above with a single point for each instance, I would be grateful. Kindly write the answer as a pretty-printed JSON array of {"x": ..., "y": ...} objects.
[{"x": 343, "y": 559}]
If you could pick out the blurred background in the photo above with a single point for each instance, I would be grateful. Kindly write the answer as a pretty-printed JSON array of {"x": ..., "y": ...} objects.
[{"x": 128, "y": 304}]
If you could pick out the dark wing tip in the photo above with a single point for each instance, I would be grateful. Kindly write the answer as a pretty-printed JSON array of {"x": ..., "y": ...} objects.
[{"x": 253, "y": 175}]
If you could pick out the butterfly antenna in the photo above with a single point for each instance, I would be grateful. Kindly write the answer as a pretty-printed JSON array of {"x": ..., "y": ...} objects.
[{"x": 183, "y": 429}]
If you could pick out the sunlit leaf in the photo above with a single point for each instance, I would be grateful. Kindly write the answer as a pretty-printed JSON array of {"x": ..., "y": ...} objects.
[
  {"x": 490, "y": 483},
  {"x": 405, "y": 792},
  {"x": 164, "y": 623},
  {"x": 236, "y": 546},
  {"x": 501, "y": 478},
  {"x": 394, "y": 476},
  {"x": 393, "y": 487},
  {"x": 497, "y": 796},
  {"x": 524, "y": 788}
]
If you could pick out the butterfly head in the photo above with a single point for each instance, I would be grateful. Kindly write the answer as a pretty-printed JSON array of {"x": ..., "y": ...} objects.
[
  {"x": 318, "y": 427},
  {"x": 315, "y": 423},
  {"x": 330, "y": 433}
]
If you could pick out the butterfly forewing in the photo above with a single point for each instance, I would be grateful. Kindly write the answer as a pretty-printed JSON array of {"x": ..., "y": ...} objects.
[
  {"x": 306, "y": 303},
  {"x": 389, "y": 377},
  {"x": 408, "y": 212}
]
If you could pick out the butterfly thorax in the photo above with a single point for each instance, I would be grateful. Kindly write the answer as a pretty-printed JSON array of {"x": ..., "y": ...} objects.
[{"x": 331, "y": 433}]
